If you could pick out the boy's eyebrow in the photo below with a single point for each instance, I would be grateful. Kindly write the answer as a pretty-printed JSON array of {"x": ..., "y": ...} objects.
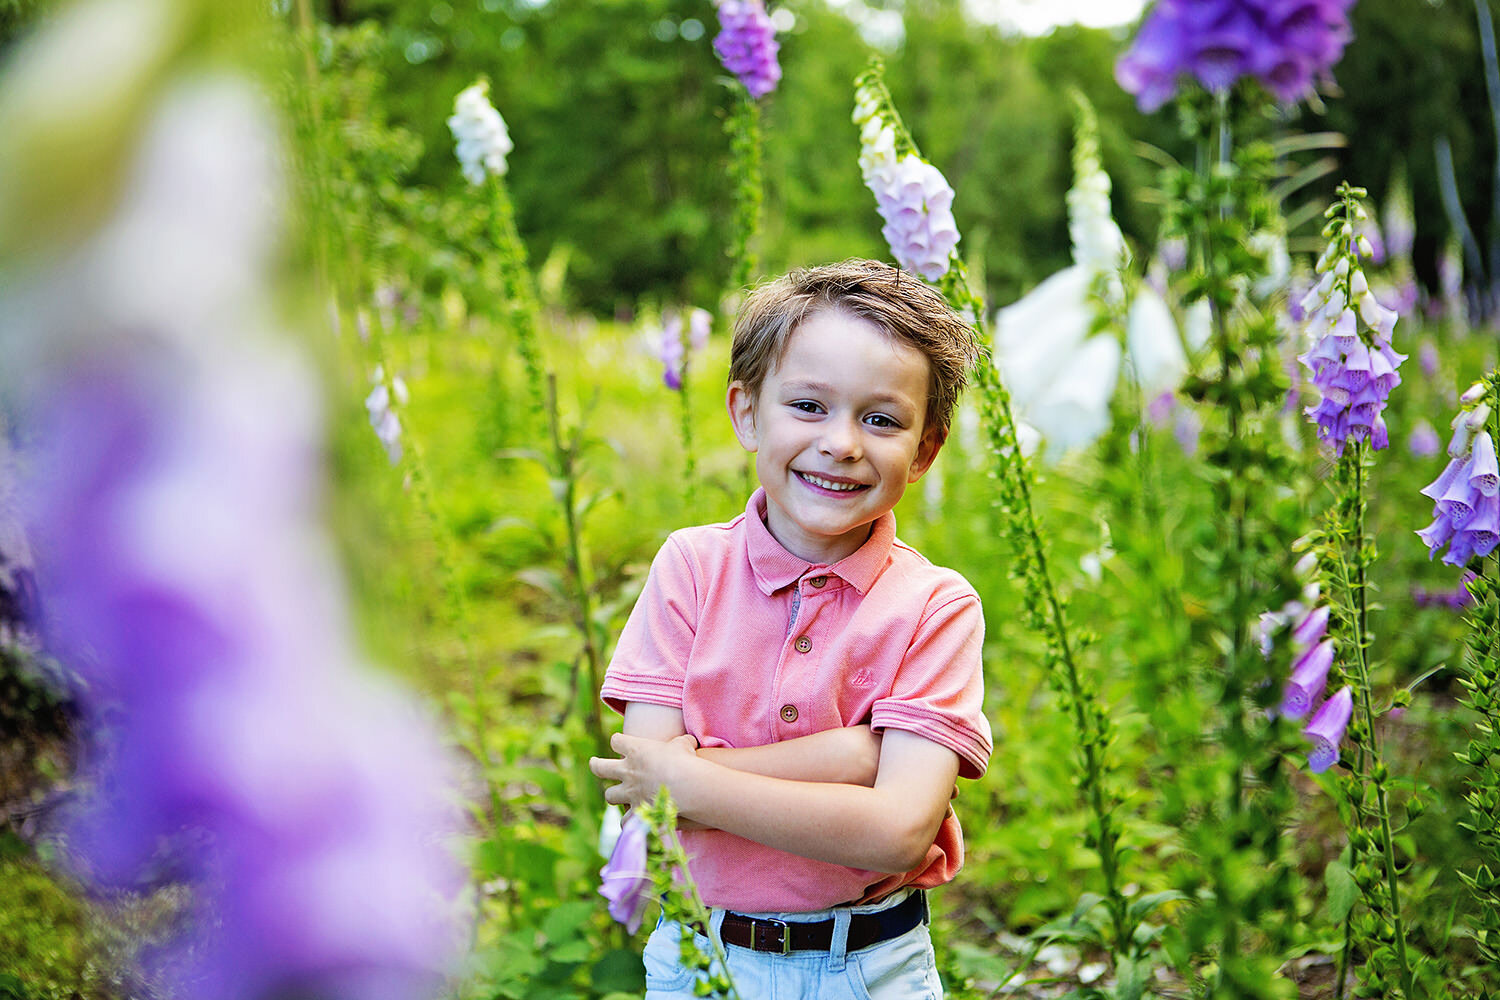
[{"x": 816, "y": 388}]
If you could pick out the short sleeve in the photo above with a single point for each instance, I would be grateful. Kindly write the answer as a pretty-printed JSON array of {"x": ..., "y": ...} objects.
[
  {"x": 650, "y": 660},
  {"x": 938, "y": 692}
]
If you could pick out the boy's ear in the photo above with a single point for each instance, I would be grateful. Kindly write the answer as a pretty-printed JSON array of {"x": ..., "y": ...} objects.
[
  {"x": 741, "y": 404},
  {"x": 927, "y": 451}
]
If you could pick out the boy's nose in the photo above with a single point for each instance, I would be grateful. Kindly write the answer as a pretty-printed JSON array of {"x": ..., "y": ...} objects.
[{"x": 840, "y": 440}]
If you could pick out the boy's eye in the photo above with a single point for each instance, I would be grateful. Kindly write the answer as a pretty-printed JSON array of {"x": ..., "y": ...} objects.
[
  {"x": 806, "y": 406},
  {"x": 881, "y": 420}
]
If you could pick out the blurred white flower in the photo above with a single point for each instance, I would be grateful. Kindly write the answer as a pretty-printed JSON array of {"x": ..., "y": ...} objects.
[
  {"x": 382, "y": 411},
  {"x": 482, "y": 138},
  {"x": 609, "y": 830},
  {"x": 1154, "y": 347}
]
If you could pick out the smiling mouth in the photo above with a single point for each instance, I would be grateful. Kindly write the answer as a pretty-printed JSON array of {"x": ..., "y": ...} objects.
[{"x": 833, "y": 485}]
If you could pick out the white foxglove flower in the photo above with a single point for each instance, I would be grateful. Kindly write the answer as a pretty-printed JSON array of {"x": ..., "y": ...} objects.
[
  {"x": 1153, "y": 345},
  {"x": 1074, "y": 410},
  {"x": 1036, "y": 335},
  {"x": 483, "y": 142}
]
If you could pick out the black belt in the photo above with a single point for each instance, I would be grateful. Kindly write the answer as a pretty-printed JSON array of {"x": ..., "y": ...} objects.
[{"x": 786, "y": 936}]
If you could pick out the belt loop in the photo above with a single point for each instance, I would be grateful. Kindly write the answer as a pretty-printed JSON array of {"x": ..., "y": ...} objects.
[
  {"x": 838, "y": 948},
  {"x": 716, "y": 924}
]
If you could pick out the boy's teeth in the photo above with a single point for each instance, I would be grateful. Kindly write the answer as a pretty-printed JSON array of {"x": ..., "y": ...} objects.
[{"x": 829, "y": 485}]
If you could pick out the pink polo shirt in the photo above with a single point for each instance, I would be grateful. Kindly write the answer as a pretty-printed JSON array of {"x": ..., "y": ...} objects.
[{"x": 756, "y": 646}]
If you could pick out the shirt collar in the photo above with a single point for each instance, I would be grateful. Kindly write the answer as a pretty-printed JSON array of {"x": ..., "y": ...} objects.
[{"x": 774, "y": 567}]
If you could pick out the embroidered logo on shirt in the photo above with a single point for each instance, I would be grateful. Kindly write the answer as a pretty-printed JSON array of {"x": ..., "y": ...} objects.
[{"x": 862, "y": 678}]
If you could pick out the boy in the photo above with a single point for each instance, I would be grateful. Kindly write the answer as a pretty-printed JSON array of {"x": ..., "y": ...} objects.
[{"x": 807, "y": 686}]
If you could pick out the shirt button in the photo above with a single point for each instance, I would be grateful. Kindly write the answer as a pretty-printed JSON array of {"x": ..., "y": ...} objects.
[
  {"x": 788, "y": 713},
  {"x": 818, "y": 581},
  {"x": 804, "y": 644}
]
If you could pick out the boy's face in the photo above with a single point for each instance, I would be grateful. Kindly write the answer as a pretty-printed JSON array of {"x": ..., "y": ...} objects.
[{"x": 837, "y": 431}]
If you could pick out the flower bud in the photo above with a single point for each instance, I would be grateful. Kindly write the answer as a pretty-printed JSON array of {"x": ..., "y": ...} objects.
[
  {"x": 1477, "y": 416},
  {"x": 1459, "y": 446},
  {"x": 1472, "y": 394},
  {"x": 1358, "y": 284}
]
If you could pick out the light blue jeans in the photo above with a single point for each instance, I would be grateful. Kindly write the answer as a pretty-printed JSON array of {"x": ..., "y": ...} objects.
[{"x": 902, "y": 968}]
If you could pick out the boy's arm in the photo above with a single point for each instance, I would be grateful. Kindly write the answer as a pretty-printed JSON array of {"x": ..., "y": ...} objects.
[
  {"x": 845, "y": 756},
  {"x": 886, "y": 828}
]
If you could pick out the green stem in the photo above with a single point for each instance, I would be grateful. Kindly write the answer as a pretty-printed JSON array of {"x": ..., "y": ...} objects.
[
  {"x": 564, "y": 455},
  {"x": 1355, "y": 591},
  {"x": 743, "y": 127},
  {"x": 516, "y": 287}
]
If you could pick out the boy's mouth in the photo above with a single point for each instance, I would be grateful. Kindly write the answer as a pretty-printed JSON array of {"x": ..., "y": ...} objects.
[{"x": 834, "y": 485}]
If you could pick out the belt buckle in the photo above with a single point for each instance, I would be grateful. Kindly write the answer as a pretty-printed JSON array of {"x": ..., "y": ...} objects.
[{"x": 780, "y": 925}]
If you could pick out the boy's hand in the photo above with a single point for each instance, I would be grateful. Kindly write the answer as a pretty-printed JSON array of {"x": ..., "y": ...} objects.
[{"x": 644, "y": 765}]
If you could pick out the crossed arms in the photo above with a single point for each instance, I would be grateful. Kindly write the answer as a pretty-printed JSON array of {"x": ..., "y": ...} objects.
[{"x": 845, "y": 796}]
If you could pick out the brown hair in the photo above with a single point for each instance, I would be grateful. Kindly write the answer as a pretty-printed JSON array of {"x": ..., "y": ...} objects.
[{"x": 896, "y": 301}]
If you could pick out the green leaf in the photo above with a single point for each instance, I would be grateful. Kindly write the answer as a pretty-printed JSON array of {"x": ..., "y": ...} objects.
[
  {"x": 619, "y": 970},
  {"x": 1342, "y": 890},
  {"x": 1143, "y": 907},
  {"x": 1130, "y": 978},
  {"x": 565, "y": 919}
]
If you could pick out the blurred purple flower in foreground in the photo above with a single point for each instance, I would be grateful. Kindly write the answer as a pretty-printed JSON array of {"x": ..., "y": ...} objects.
[
  {"x": 626, "y": 881},
  {"x": 747, "y": 45},
  {"x": 175, "y": 516},
  {"x": 1284, "y": 44}
]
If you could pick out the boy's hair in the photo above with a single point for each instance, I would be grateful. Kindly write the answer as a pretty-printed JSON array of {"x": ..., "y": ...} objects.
[{"x": 896, "y": 301}]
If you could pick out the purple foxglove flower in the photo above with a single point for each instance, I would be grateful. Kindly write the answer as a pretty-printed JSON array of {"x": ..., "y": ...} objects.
[
  {"x": 626, "y": 880},
  {"x": 1312, "y": 627},
  {"x": 1284, "y": 44},
  {"x": 1484, "y": 476},
  {"x": 1326, "y": 730},
  {"x": 1460, "y": 548},
  {"x": 1423, "y": 441},
  {"x": 747, "y": 45},
  {"x": 1483, "y": 529},
  {"x": 174, "y": 515},
  {"x": 918, "y": 210},
  {"x": 1434, "y": 490},
  {"x": 1309, "y": 675},
  {"x": 1460, "y": 498},
  {"x": 671, "y": 352},
  {"x": 1436, "y": 534}
]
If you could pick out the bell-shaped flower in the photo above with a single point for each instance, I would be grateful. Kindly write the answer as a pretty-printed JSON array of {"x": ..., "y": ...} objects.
[
  {"x": 1326, "y": 730},
  {"x": 1460, "y": 498},
  {"x": 1074, "y": 410},
  {"x": 1482, "y": 531},
  {"x": 626, "y": 879},
  {"x": 1152, "y": 343},
  {"x": 1309, "y": 675},
  {"x": 1036, "y": 336},
  {"x": 1437, "y": 534},
  {"x": 1312, "y": 627},
  {"x": 1483, "y": 474}
]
